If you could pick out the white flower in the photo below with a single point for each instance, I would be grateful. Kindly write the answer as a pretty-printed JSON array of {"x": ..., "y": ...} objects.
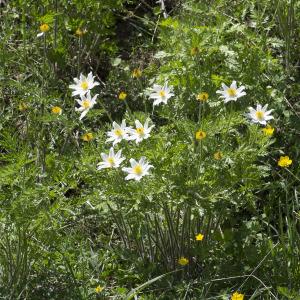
[
  {"x": 260, "y": 115},
  {"x": 83, "y": 84},
  {"x": 138, "y": 169},
  {"x": 161, "y": 94},
  {"x": 86, "y": 103},
  {"x": 231, "y": 93},
  {"x": 111, "y": 160},
  {"x": 118, "y": 133},
  {"x": 141, "y": 132}
]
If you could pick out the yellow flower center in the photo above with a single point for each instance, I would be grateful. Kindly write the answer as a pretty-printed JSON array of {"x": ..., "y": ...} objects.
[
  {"x": 87, "y": 137},
  {"x": 118, "y": 132},
  {"x": 111, "y": 161},
  {"x": 237, "y": 296},
  {"x": 136, "y": 73},
  {"x": 268, "y": 130},
  {"x": 202, "y": 96},
  {"x": 194, "y": 50},
  {"x": 99, "y": 289},
  {"x": 162, "y": 94},
  {"x": 122, "y": 96},
  {"x": 183, "y": 261},
  {"x": 260, "y": 115},
  {"x": 138, "y": 170},
  {"x": 284, "y": 161},
  {"x": 200, "y": 135},
  {"x": 56, "y": 110},
  {"x": 232, "y": 92},
  {"x": 199, "y": 237},
  {"x": 218, "y": 155},
  {"x": 44, "y": 27},
  {"x": 140, "y": 130},
  {"x": 23, "y": 106},
  {"x": 86, "y": 103},
  {"x": 84, "y": 85},
  {"x": 79, "y": 32}
]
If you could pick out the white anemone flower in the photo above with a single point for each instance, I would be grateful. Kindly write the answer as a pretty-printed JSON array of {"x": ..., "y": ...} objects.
[
  {"x": 138, "y": 169},
  {"x": 118, "y": 133},
  {"x": 83, "y": 85},
  {"x": 260, "y": 115},
  {"x": 161, "y": 94},
  {"x": 231, "y": 93},
  {"x": 141, "y": 132},
  {"x": 86, "y": 103},
  {"x": 111, "y": 160}
]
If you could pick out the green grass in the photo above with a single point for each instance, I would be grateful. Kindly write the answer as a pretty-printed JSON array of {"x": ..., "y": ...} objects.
[{"x": 67, "y": 228}]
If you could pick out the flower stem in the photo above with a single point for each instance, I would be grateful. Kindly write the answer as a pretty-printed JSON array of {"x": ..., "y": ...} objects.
[
  {"x": 107, "y": 113},
  {"x": 128, "y": 109}
]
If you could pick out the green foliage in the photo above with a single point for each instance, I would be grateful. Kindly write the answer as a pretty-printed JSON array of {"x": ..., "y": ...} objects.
[{"x": 67, "y": 228}]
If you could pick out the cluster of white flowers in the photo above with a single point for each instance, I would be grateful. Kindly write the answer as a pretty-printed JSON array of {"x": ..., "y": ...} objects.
[
  {"x": 160, "y": 94},
  {"x": 137, "y": 170},
  {"x": 259, "y": 115},
  {"x": 121, "y": 132},
  {"x": 82, "y": 88}
]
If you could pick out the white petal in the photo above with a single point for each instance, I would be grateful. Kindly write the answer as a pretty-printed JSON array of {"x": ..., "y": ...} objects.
[
  {"x": 224, "y": 86},
  {"x": 240, "y": 89},
  {"x": 111, "y": 152},
  {"x": 83, "y": 114},
  {"x": 265, "y": 107},
  {"x": 157, "y": 102},
  {"x": 133, "y": 162},
  {"x": 130, "y": 176},
  {"x": 138, "y": 124},
  {"x": 269, "y": 111},
  {"x": 233, "y": 85},
  {"x": 142, "y": 160},
  {"x": 157, "y": 87},
  {"x": 104, "y": 156},
  {"x": 155, "y": 96},
  {"x": 101, "y": 166},
  {"x": 90, "y": 76}
]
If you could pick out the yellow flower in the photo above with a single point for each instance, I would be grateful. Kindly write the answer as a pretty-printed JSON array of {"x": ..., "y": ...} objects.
[
  {"x": 194, "y": 51},
  {"x": 284, "y": 161},
  {"x": 80, "y": 32},
  {"x": 183, "y": 261},
  {"x": 268, "y": 130},
  {"x": 199, "y": 237},
  {"x": 237, "y": 296},
  {"x": 56, "y": 110},
  {"x": 200, "y": 135},
  {"x": 122, "y": 96},
  {"x": 136, "y": 73},
  {"x": 44, "y": 27},
  {"x": 87, "y": 137},
  {"x": 23, "y": 106},
  {"x": 202, "y": 96},
  {"x": 99, "y": 289},
  {"x": 218, "y": 155}
]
